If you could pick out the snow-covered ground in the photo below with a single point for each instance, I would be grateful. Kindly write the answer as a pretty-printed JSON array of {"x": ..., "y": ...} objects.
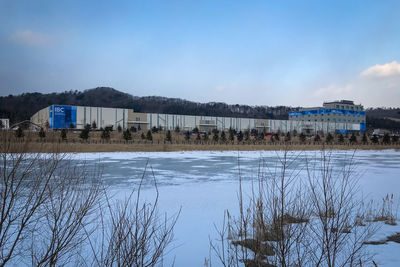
[{"x": 205, "y": 183}]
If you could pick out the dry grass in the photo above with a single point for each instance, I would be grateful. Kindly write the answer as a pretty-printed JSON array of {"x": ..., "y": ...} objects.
[
  {"x": 78, "y": 147},
  {"x": 53, "y": 143}
]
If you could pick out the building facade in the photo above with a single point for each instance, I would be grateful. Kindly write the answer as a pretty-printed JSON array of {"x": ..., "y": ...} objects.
[
  {"x": 343, "y": 111},
  {"x": 63, "y": 116}
]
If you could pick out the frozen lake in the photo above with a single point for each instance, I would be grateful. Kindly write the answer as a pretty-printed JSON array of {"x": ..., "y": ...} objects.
[{"x": 203, "y": 184}]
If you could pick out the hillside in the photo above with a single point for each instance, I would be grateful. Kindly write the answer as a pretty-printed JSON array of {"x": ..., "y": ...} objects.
[{"x": 21, "y": 107}]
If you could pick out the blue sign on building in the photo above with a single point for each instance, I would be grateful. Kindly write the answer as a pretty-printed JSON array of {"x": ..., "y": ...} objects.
[
  {"x": 327, "y": 111},
  {"x": 62, "y": 117}
]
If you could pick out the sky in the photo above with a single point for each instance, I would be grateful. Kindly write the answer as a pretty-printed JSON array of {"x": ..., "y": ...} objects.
[{"x": 295, "y": 53}]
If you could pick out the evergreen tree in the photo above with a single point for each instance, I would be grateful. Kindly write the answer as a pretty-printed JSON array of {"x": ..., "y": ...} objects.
[
  {"x": 231, "y": 135},
  {"x": 276, "y": 136},
  {"x": 42, "y": 133},
  {"x": 223, "y": 137},
  {"x": 187, "y": 135},
  {"x": 353, "y": 139},
  {"x": 154, "y": 129},
  {"x": 215, "y": 136},
  {"x": 317, "y": 138},
  {"x": 395, "y": 138},
  {"x": 119, "y": 128},
  {"x": 374, "y": 139},
  {"x": 364, "y": 139},
  {"x": 105, "y": 134},
  {"x": 386, "y": 138},
  {"x": 341, "y": 138},
  {"x": 240, "y": 136},
  {"x": 19, "y": 133},
  {"x": 247, "y": 136},
  {"x": 71, "y": 126},
  {"x": 127, "y": 135},
  {"x": 302, "y": 137},
  {"x": 63, "y": 134},
  {"x": 142, "y": 136},
  {"x": 261, "y": 136},
  {"x": 149, "y": 136},
  {"x": 205, "y": 137},
  {"x": 133, "y": 129},
  {"x": 198, "y": 137},
  {"x": 94, "y": 125},
  {"x": 168, "y": 136},
  {"x": 85, "y": 132},
  {"x": 177, "y": 129},
  {"x": 288, "y": 137},
  {"x": 329, "y": 138},
  {"x": 195, "y": 130}
]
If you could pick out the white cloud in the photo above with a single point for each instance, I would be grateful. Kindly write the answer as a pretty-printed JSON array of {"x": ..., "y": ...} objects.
[
  {"x": 385, "y": 70},
  {"x": 332, "y": 92},
  {"x": 377, "y": 86},
  {"x": 30, "y": 38}
]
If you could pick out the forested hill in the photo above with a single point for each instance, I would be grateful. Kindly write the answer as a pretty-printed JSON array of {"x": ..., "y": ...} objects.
[{"x": 22, "y": 107}]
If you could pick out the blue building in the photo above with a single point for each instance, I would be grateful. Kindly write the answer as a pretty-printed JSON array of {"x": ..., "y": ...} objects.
[{"x": 343, "y": 111}]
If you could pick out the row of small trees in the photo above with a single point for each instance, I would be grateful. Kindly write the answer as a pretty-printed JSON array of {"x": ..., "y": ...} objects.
[{"x": 230, "y": 136}]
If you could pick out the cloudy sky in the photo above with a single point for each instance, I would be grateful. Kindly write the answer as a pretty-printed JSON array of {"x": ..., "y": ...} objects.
[{"x": 297, "y": 53}]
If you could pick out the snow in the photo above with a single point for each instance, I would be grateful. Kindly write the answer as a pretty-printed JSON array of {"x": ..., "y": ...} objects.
[{"x": 203, "y": 184}]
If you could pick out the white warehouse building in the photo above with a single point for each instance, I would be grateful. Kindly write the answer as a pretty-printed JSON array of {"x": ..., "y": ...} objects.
[{"x": 65, "y": 116}]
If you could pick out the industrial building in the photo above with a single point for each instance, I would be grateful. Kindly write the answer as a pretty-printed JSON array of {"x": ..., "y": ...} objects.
[
  {"x": 64, "y": 116},
  {"x": 343, "y": 111}
]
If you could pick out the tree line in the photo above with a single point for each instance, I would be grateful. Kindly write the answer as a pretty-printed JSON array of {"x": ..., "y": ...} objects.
[{"x": 20, "y": 107}]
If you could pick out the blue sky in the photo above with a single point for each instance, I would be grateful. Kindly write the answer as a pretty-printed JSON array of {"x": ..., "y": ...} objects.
[{"x": 297, "y": 53}]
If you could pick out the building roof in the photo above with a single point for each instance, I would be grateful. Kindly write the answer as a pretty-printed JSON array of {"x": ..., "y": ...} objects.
[{"x": 348, "y": 102}]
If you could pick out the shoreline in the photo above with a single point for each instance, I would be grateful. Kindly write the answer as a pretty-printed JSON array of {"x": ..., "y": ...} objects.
[{"x": 136, "y": 147}]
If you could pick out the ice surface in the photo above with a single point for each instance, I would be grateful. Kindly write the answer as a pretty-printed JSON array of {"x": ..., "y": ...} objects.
[{"x": 205, "y": 183}]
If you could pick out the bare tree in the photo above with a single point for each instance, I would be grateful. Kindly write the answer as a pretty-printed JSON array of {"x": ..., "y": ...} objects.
[
  {"x": 132, "y": 232},
  {"x": 23, "y": 190},
  {"x": 44, "y": 204},
  {"x": 301, "y": 212},
  {"x": 73, "y": 194},
  {"x": 52, "y": 210},
  {"x": 337, "y": 229}
]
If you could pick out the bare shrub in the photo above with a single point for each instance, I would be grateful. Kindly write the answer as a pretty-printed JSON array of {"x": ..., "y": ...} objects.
[
  {"x": 337, "y": 228},
  {"x": 44, "y": 204},
  {"x": 59, "y": 233},
  {"x": 52, "y": 211},
  {"x": 301, "y": 212},
  {"x": 132, "y": 232}
]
